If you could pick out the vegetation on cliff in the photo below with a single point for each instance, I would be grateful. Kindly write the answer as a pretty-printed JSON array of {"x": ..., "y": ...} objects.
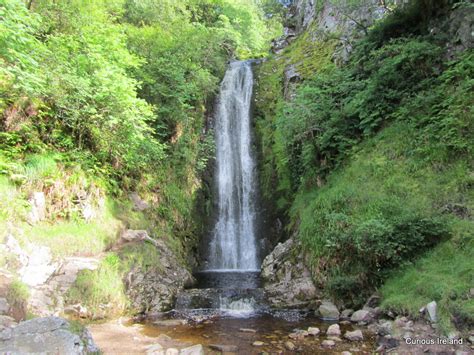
[
  {"x": 99, "y": 99},
  {"x": 372, "y": 161}
]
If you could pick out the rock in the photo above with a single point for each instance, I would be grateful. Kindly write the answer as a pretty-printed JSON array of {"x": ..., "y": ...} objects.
[
  {"x": 328, "y": 343},
  {"x": 355, "y": 335},
  {"x": 37, "y": 212},
  {"x": 155, "y": 349},
  {"x": 314, "y": 331},
  {"x": 4, "y": 306},
  {"x": 298, "y": 335},
  {"x": 39, "y": 267},
  {"x": 6, "y": 322},
  {"x": 346, "y": 353},
  {"x": 346, "y": 314},
  {"x": 169, "y": 322},
  {"x": 287, "y": 282},
  {"x": 247, "y": 330},
  {"x": 138, "y": 203},
  {"x": 387, "y": 342},
  {"x": 172, "y": 351},
  {"x": 258, "y": 343},
  {"x": 431, "y": 308},
  {"x": 156, "y": 288},
  {"x": 46, "y": 335},
  {"x": 192, "y": 350},
  {"x": 333, "y": 330},
  {"x": 290, "y": 346},
  {"x": 471, "y": 339},
  {"x": 328, "y": 311},
  {"x": 373, "y": 301},
  {"x": 132, "y": 235},
  {"x": 361, "y": 316},
  {"x": 224, "y": 348},
  {"x": 77, "y": 310}
]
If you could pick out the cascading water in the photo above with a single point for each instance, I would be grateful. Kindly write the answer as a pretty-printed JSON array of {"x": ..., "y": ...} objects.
[
  {"x": 233, "y": 246},
  {"x": 230, "y": 282}
]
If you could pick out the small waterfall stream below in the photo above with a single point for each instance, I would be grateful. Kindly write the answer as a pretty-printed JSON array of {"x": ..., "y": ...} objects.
[{"x": 227, "y": 305}]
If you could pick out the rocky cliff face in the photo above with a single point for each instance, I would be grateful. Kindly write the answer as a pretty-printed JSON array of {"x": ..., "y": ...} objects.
[{"x": 336, "y": 19}]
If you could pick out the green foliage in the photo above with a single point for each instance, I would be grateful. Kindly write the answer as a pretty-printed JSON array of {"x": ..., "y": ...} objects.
[{"x": 374, "y": 158}]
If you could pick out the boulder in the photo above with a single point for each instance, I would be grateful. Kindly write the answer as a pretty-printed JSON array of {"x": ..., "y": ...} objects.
[
  {"x": 328, "y": 311},
  {"x": 46, "y": 335},
  {"x": 432, "y": 311},
  {"x": 224, "y": 348},
  {"x": 328, "y": 343},
  {"x": 362, "y": 315},
  {"x": 334, "y": 330},
  {"x": 287, "y": 281},
  {"x": 346, "y": 314},
  {"x": 192, "y": 350},
  {"x": 155, "y": 289},
  {"x": 314, "y": 331},
  {"x": 290, "y": 346},
  {"x": 355, "y": 335}
]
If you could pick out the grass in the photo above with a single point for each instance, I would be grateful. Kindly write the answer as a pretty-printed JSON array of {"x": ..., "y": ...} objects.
[
  {"x": 102, "y": 291},
  {"x": 387, "y": 186},
  {"x": 444, "y": 275}
]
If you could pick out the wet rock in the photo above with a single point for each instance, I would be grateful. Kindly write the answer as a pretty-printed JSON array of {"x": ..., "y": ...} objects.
[
  {"x": 169, "y": 322},
  {"x": 355, "y": 335},
  {"x": 328, "y": 343},
  {"x": 333, "y": 330},
  {"x": 290, "y": 346},
  {"x": 224, "y": 348},
  {"x": 46, "y": 335},
  {"x": 298, "y": 335},
  {"x": 314, "y": 331},
  {"x": 346, "y": 314},
  {"x": 287, "y": 282},
  {"x": 258, "y": 343},
  {"x": 362, "y": 315},
  {"x": 247, "y": 330},
  {"x": 328, "y": 311},
  {"x": 192, "y": 350},
  {"x": 432, "y": 311},
  {"x": 387, "y": 342}
]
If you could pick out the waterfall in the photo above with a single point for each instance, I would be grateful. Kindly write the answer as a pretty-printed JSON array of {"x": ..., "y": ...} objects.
[{"x": 233, "y": 245}]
